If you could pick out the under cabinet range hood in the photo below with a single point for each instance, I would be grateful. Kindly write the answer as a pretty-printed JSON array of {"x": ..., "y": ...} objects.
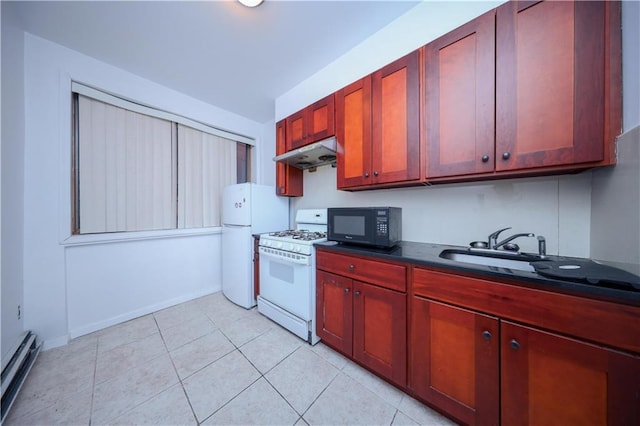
[{"x": 311, "y": 156}]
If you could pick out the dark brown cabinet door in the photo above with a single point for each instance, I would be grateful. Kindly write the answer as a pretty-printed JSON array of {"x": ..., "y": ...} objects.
[
  {"x": 454, "y": 360},
  {"x": 550, "y": 83},
  {"x": 459, "y": 100},
  {"x": 314, "y": 123},
  {"x": 295, "y": 133},
  {"x": 378, "y": 126},
  {"x": 549, "y": 379},
  {"x": 321, "y": 119},
  {"x": 288, "y": 178},
  {"x": 380, "y": 330},
  {"x": 395, "y": 136},
  {"x": 334, "y": 311},
  {"x": 353, "y": 131}
]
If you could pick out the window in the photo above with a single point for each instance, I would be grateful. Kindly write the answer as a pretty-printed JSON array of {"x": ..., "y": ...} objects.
[{"x": 139, "y": 169}]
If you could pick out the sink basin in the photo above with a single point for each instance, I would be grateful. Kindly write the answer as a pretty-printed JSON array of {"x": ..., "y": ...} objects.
[{"x": 496, "y": 260}]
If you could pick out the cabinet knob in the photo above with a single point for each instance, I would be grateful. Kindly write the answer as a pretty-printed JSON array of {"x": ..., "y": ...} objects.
[
  {"x": 506, "y": 155},
  {"x": 486, "y": 334},
  {"x": 514, "y": 344},
  {"x": 375, "y": 173},
  {"x": 346, "y": 291},
  {"x": 366, "y": 174},
  {"x": 352, "y": 267},
  {"x": 357, "y": 293},
  {"x": 485, "y": 158}
]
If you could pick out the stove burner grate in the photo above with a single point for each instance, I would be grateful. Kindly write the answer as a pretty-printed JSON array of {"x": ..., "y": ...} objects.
[{"x": 299, "y": 235}]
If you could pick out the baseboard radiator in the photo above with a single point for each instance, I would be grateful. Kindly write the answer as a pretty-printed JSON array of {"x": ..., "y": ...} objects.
[{"x": 18, "y": 364}]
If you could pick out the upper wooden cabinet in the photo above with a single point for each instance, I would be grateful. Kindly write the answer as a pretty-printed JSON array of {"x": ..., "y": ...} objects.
[
  {"x": 288, "y": 178},
  {"x": 550, "y": 71},
  {"x": 557, "y": 83},
  {"x": 377, "y": 127},
  {"x": 314, "y": 123},
  {"x": 460, "y": 98}
]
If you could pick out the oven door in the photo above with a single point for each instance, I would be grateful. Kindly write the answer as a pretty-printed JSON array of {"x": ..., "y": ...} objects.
[{"x": 286, "y": 282}]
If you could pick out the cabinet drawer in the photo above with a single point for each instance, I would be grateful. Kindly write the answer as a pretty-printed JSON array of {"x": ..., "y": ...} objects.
[
  {"x": 597, "y": 321},
  {"x": 386, "y": 275}
]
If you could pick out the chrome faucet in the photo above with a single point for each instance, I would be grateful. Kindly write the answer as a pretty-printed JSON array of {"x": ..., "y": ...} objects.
[
  {"x": 495, "y": 245},
  {"x": 493, "y": 238},
  {"x": 542, "y": 247},
  {"x": 506, "y": 241}
]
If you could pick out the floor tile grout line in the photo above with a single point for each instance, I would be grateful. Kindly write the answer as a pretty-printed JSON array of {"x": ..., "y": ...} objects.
[
  {"x": 262, "y": 375},
  {"x": 276, "y": 389},
  {"x": 93, "y": 388},
  {"x": 232, "y": 399},
  {"x": 394, "y": 417},
  {"x": 184, "y": 391},
  {"x": 218, "y": 304},
  {"x": 154, "y": 395}
]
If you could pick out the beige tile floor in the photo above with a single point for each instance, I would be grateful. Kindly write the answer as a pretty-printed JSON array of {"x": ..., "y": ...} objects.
[{"x": 206, "y": 361}]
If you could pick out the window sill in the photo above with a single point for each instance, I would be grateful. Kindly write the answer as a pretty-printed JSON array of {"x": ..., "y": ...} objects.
[{"x": 116, "y": 237}]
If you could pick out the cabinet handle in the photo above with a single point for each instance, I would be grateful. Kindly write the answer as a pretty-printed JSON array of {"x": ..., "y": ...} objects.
[
  {"x": 506, "y": 155},
  {"x": 486, "y": 334},
  {"x": 375, "y": 173},
  {"x": 485, "y": 158},
  {"x": 351, "y": 267},
  {"x": 357, "y": 293},
  {"x": 366, "y": 174},
  {"x": 346, "y": 291},
  {"x": 514, "y": 344}
]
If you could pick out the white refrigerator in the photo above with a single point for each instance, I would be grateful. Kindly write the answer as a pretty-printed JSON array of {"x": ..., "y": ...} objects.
[{"x": 247, "y": 209}]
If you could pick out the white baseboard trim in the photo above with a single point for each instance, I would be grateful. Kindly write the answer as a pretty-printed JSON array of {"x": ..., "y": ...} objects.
[{"x": 90, "y": 328}]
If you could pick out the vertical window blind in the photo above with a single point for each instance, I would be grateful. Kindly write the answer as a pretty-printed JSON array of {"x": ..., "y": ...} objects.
[
  {"x": 137, "y": 172},
  {"x": 206, "y": 164}
]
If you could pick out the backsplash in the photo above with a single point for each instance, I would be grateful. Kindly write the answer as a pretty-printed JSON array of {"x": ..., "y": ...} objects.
[
  {"x": 615, "y": 211},
  {"x": 556, "y": 207}
]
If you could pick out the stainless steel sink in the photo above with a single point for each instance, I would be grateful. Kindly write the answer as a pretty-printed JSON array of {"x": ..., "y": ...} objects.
[{"x": 497, "y": 260}]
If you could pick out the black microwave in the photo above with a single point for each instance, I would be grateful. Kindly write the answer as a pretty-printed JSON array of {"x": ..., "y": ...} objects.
[{"x": 372, "y": 226}]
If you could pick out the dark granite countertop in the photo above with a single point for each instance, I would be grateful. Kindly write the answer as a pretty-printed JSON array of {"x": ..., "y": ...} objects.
[{"x": 427, "y": 254}]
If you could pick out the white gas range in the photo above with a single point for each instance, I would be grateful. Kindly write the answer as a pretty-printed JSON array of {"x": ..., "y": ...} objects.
[{"x": 287, "y": 274}]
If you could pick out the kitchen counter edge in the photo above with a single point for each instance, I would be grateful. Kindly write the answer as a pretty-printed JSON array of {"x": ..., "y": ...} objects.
[{"x": 427, "y": 254}]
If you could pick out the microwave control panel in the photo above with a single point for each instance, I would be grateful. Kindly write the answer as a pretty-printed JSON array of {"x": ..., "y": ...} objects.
[{"x": 382, "y": 224}]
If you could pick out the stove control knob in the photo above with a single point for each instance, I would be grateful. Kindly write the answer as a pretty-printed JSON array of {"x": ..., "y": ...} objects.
[
  {"x": 298, "y": 249},
  {"x": 278, "y": 245},
  {"x": 266, "y": 243},
  {"x": 289, "y": 247}
]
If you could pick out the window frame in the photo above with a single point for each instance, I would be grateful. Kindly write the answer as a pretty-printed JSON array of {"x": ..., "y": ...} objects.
[{"x": 244, "y": 146}]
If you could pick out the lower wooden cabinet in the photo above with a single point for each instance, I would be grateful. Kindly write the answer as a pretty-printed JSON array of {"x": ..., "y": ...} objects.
[
  {"x": 454, "y": 363},
  {"x": 483, "y": 351},
  {"x": 549, "y": 379},
  {"x": 472, "y": 361},
  {"x": 365, "y": 322},
  {"x": 334, "y": 312}
]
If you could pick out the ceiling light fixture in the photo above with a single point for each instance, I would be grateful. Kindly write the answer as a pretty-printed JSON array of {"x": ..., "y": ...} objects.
[{"x": 251, "y": 3}]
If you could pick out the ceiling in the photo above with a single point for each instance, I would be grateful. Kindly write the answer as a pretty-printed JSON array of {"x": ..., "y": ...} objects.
[{"x": 225, "y": 54}]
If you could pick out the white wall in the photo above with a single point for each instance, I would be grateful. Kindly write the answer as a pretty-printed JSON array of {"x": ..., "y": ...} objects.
[
  {"x": 420, "y": 25},
  {"x": 12, "y": 177},
  {"x": 556, "y": 207},
  {"x": 264, "y": 157},
  {"x": 630, "y": 64},
  {"x": 615, "y": 210},
  {"x": 72, "y": 289}
]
